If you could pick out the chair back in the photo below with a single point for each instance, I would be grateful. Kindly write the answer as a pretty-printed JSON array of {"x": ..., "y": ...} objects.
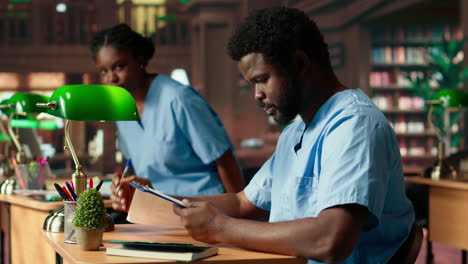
[{"x": 409, "y": 250}]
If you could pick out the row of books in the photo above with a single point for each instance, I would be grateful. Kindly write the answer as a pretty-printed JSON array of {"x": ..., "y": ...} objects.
[
  {"x": 404, "y": 125},
  {"x": 417, "y": 147},
  {"x": 390, "y": 102},
  {"x": 417, "y": 32},
  {"x": 399, "y": 55},
  {"x": 398, "y": 78}
]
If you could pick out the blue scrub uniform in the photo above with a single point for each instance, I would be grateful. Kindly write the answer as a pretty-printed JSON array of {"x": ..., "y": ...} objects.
[
  {"x": 347, "y": 155},
  {"x": 177, "y": 141}
]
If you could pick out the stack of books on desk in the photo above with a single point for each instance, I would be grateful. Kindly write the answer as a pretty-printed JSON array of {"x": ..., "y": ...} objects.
[{"x": 158, "y": 250}]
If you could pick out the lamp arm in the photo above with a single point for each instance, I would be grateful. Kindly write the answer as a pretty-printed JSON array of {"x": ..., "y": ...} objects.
[
  {"x": 78, "y": 177},
  {"x": 52, "y": 105},
  {"x": 69, "y": 145},
  {"x": 20, "y": 157},
  {"x": 7, "y": 143},
  {"x": 7, "y": 106},
  {"x": 431, "y": 124}
]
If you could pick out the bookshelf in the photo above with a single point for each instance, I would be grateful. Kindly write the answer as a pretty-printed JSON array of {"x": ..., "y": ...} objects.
[{"x": 397, "y": 54}]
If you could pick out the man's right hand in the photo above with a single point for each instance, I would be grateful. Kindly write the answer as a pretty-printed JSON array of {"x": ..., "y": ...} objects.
[{"x": 121, "y": 197}]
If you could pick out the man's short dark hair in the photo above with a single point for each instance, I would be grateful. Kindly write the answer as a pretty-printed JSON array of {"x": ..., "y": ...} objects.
[{"x": 277, "y": 33}]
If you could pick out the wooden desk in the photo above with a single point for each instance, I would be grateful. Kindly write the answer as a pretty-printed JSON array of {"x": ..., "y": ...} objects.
[
  {"x": 21, "y": 219},
  {"x": 227, "y": 254},
  {"x": 448, "y": 210}
]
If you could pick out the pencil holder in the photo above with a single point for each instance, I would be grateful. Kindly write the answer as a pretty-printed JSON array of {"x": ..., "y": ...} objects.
[
  {"x": 69, "y": 231},
  {"x": 23, "y": 178}
]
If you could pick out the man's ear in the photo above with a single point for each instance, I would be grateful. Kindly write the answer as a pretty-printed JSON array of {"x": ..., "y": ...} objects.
[{"x": 302, "y": 62}]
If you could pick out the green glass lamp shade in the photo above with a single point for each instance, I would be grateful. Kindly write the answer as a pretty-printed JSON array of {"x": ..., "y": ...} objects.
[
  {"x": 24, "y": 123},
  {"x": 48, "y": 125},
  {"x": 5, "y": 138},
  {"x": 451, "y": 98},
  {"x": 90, "y": 102},
  {"x": 35, "y": 124},
  {"x": 24, "y": 103}
]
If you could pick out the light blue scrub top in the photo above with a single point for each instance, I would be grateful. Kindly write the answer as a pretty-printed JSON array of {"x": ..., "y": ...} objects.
[
  {"x": 348, "y": 155},
  {"x": 177, "y": 142}
]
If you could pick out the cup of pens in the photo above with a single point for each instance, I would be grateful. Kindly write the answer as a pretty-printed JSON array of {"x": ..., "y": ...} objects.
[
  {"x": 69, "y": 231},
  {"x": 30, "y": 176},
  {"x": 70, "y": 202}
]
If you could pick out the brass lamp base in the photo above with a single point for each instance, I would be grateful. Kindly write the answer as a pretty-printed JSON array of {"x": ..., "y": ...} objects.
[
  {"x": 443, "y": 171},
  {"x": 55, "y": 222},
  {"x": 8, "y": 186},
  {"x": 79, "y": 180}
]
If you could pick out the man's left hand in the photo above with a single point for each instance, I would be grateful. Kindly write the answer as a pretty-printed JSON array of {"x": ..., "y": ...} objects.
[{"x": 203, "y": 221}]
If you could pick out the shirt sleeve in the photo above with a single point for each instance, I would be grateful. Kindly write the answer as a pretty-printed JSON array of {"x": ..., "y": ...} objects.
[
  {"x": 201, "y": 126},
  {"x": 258, "y": 191},
  {"x": 358, "y": 158}
]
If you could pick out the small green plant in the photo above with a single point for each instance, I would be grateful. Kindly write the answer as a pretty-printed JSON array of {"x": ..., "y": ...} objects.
[{"x": 90, "y": 212}]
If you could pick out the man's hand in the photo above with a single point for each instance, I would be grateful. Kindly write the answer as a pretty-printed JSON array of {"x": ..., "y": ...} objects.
[
  {"x": 203, "y": 221},
  {"x": 121, "y": 197}
]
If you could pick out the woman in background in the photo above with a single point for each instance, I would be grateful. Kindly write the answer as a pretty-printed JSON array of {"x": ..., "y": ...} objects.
[{"x": 180, "y": 145}]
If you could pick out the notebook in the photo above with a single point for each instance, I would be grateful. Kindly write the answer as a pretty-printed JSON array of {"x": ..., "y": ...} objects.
[{"x": 160, "y": 250}]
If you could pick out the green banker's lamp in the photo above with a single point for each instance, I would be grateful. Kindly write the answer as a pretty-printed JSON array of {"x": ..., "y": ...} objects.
[
  {"x": 449, "y": 100},
  {"x": 21, "y": 104},
  {"x": 5, "y": 168},
  {"x": 89, "y": 102},
  {"x": 4, "y": 137}
]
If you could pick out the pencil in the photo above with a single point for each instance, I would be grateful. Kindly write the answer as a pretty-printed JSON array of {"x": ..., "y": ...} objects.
[
  {"x": 18, "y": 174},
  {"x": 124, "y": 173}
]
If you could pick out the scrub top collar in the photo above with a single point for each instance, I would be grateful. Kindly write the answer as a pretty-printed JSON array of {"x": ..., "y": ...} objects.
[
  {"x": 321, "y": 115},
  {"x": 149, "y": 96}
]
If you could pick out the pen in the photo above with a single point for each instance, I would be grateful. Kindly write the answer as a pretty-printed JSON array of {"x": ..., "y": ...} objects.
[
  {"x": 41, "y": 174},
  {"x": 65, "y": 191},
  {"x": 90, "y": 182},
  {"x": 32, "y": 173},
  {"x": 70, "y": 189},
  {"x": 124, "y": 173},
  {"x": 99, "y": 185},
  {"x": 60, "y": 192}
]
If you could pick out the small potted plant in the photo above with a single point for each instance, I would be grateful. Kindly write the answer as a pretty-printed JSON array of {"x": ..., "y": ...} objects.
[{"x": 88, "y": 219}]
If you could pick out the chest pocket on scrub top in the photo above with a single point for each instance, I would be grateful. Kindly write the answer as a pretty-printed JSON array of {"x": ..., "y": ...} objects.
[{"x": 300, "y": 196}]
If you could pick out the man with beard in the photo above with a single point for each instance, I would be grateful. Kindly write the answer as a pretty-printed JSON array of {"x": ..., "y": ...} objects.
[{"x": 333, "y": 189}]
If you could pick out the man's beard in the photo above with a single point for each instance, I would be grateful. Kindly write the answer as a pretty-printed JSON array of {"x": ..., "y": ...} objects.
[{"x": 289, "y": 103}]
